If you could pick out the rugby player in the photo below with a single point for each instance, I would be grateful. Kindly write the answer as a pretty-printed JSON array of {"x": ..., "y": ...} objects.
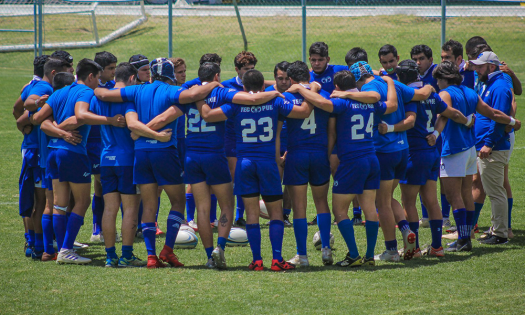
[
  {"x": 388, "y": 58},
  {"x": 141, "y": 63},
  {"x": 453, "y": 51}
]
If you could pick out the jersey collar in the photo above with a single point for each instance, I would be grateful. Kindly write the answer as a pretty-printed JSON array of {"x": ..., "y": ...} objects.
[
  {"x": 239, "y": 81},
  {"x": 416, "y": 84}
]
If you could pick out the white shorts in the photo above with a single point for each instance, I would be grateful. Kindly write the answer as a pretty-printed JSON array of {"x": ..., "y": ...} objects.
[
  {"x": 460, "y": 164},
  {"x": 512, "y": 138}
]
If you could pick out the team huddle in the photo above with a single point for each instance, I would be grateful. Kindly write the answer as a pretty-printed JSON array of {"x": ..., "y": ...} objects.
[{"x": 140, "y": 128}]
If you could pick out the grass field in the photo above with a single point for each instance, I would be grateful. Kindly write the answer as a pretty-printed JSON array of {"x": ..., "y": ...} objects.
[{"x": 487, "y": 280}]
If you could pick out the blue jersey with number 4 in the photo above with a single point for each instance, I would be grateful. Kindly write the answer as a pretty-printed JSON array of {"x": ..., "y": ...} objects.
[
  {"x": 326, "y": 78},
  {"x": 255, "y": 127}
]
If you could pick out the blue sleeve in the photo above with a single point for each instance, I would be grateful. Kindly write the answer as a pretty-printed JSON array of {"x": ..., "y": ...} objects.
[
  {"x": 324, "y": 94},
  {"x": 407, "y": 93},
  {"x": 86, "y": 96},
  {"x": 380, "y": 108},
  {"x": 411, "y": 107},
  {"x": 340, "y": 68},
  {"x": 25, "y": 92},
  {"x": 226, "y": 95},
  {"x": 285, "y": 107},
  {"x": 130, "y": 107},
  {"x": 175, "y": 94},
  {"x": 501, "y": 99},
  {"x": 339, "y": 105},
  {"x": 94, "y": 106},
  {"x": 51, "y": 101},
  {"x": 41, "y": 89},
  {"x": 228, "y": 110},
  {"x": 128, "y": 93},
  {"x": 191, "y": 83},
  {"x": 440, "y": 105},
  {"x": 369, "y": 87},
  {"x": 509, "y": 80}
]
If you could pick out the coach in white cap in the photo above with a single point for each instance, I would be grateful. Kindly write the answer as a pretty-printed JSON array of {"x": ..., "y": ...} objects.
[{"x": 492, "y": 142}]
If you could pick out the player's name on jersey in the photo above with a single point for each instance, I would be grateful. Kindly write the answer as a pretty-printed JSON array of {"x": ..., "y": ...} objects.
[
  {"x": 429, "y": 101},
  {"x": 257, "y": 109},
  {"x": 362, "y": 106}
]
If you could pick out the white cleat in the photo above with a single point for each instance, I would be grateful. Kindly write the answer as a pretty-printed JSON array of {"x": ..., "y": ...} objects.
[
  {"x": 409, "y": 240},
  {"x": 78, "y": 245},
  {"x": 424, "y": 223},
  {"x": 326, "y": 254},
  {"x": 218, "y": 258},
  {"x": 211, "y": 264},
  {"x": 388, "y": 256},
  {"x": 215, "y": 224},
  {"x": 193, "y": 225},
  {"x": 98, "y": 238},
  {"x": 69, "y": 256},
  {"x": 300, "y": 261}
]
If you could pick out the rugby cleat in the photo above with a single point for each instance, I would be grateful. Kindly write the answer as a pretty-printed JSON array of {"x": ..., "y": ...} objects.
[
  {"x": 159, "y": 231},
  {"x": 27, "y": 250},
  {"x": 240, "y": 222},
  {"x": 433, "y": 252},
  {"x": 281, "y": 265},
  {"x": 368, "y": 261},
  {"x": 111, "y": 263},
  {"x": 49, "y": 257},
  {"x": 494, "y": 240},
  {"x": 193, "y": 225},
  {"x": 218, "y": 257},
  {"x": 97, "y": 238},
  {"x": 69, "y": 256},
  {"x": 357, "y": 220},
  {"x": 256, "y": 265},
  {"x": 286, "y": 221},
  {"x": 299, "y": 261},
  {"x": 424, "y": 223},
  {"x": 326, "y": 256},
  {"x": 78, "y": 245},
  {"x": 392, "y": 256},
  {"x": 409, "y": 238},
  {"x": 461, "y": 245},
  {"x": 350, "y": 262},
  {"x": 446, "y": 224},
  {"x": 210, "y": 264},
  {"x": 130, "y": 263},
  {"x": 167, "y": 255},
  {"x": 154, "y": 262},
  {"x": 37, "y": 255},
  {"x": 313, "y": 222}
]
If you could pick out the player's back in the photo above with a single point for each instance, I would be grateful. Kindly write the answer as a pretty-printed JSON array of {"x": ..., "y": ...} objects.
[
  {"x": 233, "y": 83},
  {"x": 36, "y": 87}
]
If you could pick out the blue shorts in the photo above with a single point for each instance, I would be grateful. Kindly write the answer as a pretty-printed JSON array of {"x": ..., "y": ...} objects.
[
  {"x": 47, "y": 182},
  {"x": 181, "y": 148},
  {"x": 422, "y": 165},
  {"x": 302, "y": 168},
  {"x": 355, "y": 176},
  {"x": 393, "y": 164},
  {"x": 68, "y": 166},
  {"x": 159, "y": 166},
  {"x": 117, "y": 179},
  {"x": 29, "y": 175},
  {"x": 257, "y": 177},
  {"x": 209, "y": 167},
  {"x": 94, "y": 150},
  {"x": 230, "y": 147}
]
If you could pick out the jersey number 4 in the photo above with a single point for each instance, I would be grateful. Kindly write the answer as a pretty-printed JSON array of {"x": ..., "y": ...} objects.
[
  {"x": 309, "y": 123},
  {"x": 247, "y": 133},
  {"x": 195, "y": 121},
  {"x": 359, "y": 120}
]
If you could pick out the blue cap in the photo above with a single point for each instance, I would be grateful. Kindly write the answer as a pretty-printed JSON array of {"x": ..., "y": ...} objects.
[
  {"x": 162, "y": 67},
  {"x": 359, "y": 68}
]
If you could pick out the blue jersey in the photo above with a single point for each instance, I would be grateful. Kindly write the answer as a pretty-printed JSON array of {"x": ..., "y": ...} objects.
[
  {"x": 94, "y": 133},
  {"x": 498, "y": 95},
  {"x": 284, "y": 130},
  {"x": 428, "y": 79},
  {"x": 469, "y": 77},
  {"x": 255, "y": 127},
  {"x": 392, "y": 141},
  {"x": 41, "y": 88},
  {"x": 457, "y": 137},
  {"x": 108, "y": 85},
  {"x": 35, "y": 87},
  {"x": 355, "y": 127},
  {"x": 233, "y": 83},
  {"x": 63, "y": 104},
  {"x": 150, "y": 101},
  {"x": 191, "y": 83},
  {"x": 426, "y": 113},
  {"x": 309, "y": 134},
  {"x": 326, "y": 78},
  {"x": 118, "y": 146},
  {"x": 206, "y": 137},
  {"x": 392, "y": 75}
]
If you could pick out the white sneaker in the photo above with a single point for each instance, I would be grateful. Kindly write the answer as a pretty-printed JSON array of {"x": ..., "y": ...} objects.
[
  {"x": 218, "y": 258},
  {"x": 424, "y": 223},
  {"x": 193, "y": 225},
  {"x": 326, "y": 254},
  {"x": 211, "y": 264},
  {"x": 409, "y": 240},
  {"x": 99, "y": 238},
  {"x": 69, "y": 256},
  {"x": 78, "y": 245},
  {"x": 299, "y": 261},
  {"x": 388, "y": 256},
  {"x": 55, "y": 245},
  {"x": 215, "y": 224}
]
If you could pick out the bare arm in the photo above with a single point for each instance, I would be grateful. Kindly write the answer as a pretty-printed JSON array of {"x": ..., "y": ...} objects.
[
  {"x": 23, "y": 124},
  {"x": 244, "y": 98},
  {"x": 455, "y": 115},
  {"x": 38, "y": 117},
  {"x": 210, "y": 115},
  {"x": 106, "y": 95},
  {"x": 168, "y": 116},
  {"x": 423, "y": 93},
  {"x": 197, "y": 93},
  {"x": 301, "y": 112},
  {"x": 491, "y": 113},
  {"x": 70, "y": 124},
  {"x": 33, "y": 102},
  {"x": 515, "y": 81},
  {"x": 49, "y": 128},
  {"x": 313, "y": 98},
  {"x": 403, "y": 125},
  {"x": 369, "y": 97},
  {"x": 84, "y": 116},
  {"x": 142, "y": 130},
  {"x": 18, "y": 108}
]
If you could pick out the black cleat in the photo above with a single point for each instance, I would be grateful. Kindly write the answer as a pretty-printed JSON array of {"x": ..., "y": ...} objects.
[
  {"x": 350, "y": 262},
  {"x": 240, "y": 222},
  {"x": 313, "y": 222},
  {"x": 494, "y": 240}
]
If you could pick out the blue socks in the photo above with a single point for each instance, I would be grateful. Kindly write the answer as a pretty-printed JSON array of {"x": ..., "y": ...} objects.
[
  {"x": 287, "y": 211},
  {"x": 300, "y": 228},
  {"x": 477, "y": 212},
  {"x": 414, "y": 227},
  {"x": 324, "y": 222},
  {"x": 403, "y": 225},
  {"x": 127, "y": 251},
  {"x": 208, "y": 251},
  {"x": 221, "y": 241},
  {"x": 460, "y": 215},
  {"x": 47, "y": 228},
  {"x": 436, "y": 231},
  {"x": 470, "y": 220},
  {"x": 424, "y": 212},
  {"x": 97, "y": 206},
  {"x": 391, "y": 245},
  {"x": 190, "y": 207},
  {"x": 39, "y": 242},
  {"x": 110, "y": 253},
  {"x": 254, "y": 238},
  {"x": 240, "y": 208},
  {"x": 149, "y": 231},
  {"x": 175, "y": 220},
  {"x": 372, "y": 228},
  {"x": 511, "y": 202},
  {"x": 59, "y": 226},
  {"x": 445, "y": 206},
  {"x": 74, "y": 224},
  {"x": 346, "y": 227},
  {"x": 213, "y": 209},
  {"x": 276, "y": 238},
  {"x": 31, "y": 238}
]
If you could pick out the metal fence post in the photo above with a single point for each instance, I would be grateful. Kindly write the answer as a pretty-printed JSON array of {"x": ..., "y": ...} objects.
[
  {"x": 245, "y": 41},
  {"x": 443, "y": 21},
  {"x": 303, "y": 4},
  {"x": 35, "y": 28},
  {"x": 40, "y": 26},
  {"x": 170, "y": 28}
]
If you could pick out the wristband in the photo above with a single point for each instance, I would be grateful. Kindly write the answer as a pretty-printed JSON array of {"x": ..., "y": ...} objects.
[
  {"x": 512, "y": 121},
  {"x": 469, "y": 120},
  {"x": 36, "y": 102},
  {"x": 436, "y": 133},
  {"x": 389, "y": 128}
]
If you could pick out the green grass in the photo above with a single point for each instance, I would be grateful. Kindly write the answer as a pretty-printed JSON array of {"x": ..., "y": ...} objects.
[{"x": 487, "y": 280}]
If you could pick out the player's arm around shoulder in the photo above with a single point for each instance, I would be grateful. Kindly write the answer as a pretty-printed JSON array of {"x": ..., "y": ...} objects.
[
  {"x": 312, "y": 98},
  {"x": 423, "y": 93},
  {"x": 244, "y": 98},
  {"x": 38, "y": 117},
  {"x": 213, "y": 115},
  {"x": 197, "y": 93},
  {"x": 496, "y": 115},
  {"x": 140, "y": 129},
  {"x": 391, "y": 96},
  {"x": 168, "y": 116},
  {"x": 107, "y": 95}
]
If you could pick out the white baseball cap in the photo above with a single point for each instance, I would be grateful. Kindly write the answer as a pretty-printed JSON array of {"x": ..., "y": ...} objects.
[{"x": 486, "y": 57}]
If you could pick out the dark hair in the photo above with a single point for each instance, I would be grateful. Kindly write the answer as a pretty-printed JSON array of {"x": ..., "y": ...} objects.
[
  {"x": 345, "y": 80},
  {"x": 54, "y": 64},
  {"x": 244, "y": 58},
  {"x": 479, "y": 49},
  {"x": 318, "y": 48},
  {"x": 454, "y": 46},
  {"x": 208, "y": 70},
  {"x": 63, "y": 55},
  {"x": 124, "y": 71},
  {"x": 38, "y": 65},
  {"x": 253, "y": 80},
  {"x": 85, "y": 67},
  {"x": 356, "y": 54},
  {"x": 298, "y": 71},
  {"x": 62, "y": 79},
  {"x": 387, "y": 49},
  {"x": 210, "y": 58},
  {"x": 283, "y": 66},
  {"x": 105, "y": 58},
  {"x": 472, "y": 43},
  {"x": 407, "y": 71},
  {"x": 449, "y": 72},
  {"x": 421, "y": 49}
]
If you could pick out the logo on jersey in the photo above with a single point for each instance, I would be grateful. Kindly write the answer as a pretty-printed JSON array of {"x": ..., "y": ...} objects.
[
  {"x": 443, "y": 166},
  {"x": 256, "y": 109},
  {"x": 54, "y": 140},
  {"x": 401, "y": 142},
  {"x": 111, "y": 158},
  {"x": 86, "y": 174},
  {"x": 151, "y": 141},
  {"x": 336, "y": 183},
  {"x": 326, "y": 80},
  {"x": 96, "y": 165}
]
